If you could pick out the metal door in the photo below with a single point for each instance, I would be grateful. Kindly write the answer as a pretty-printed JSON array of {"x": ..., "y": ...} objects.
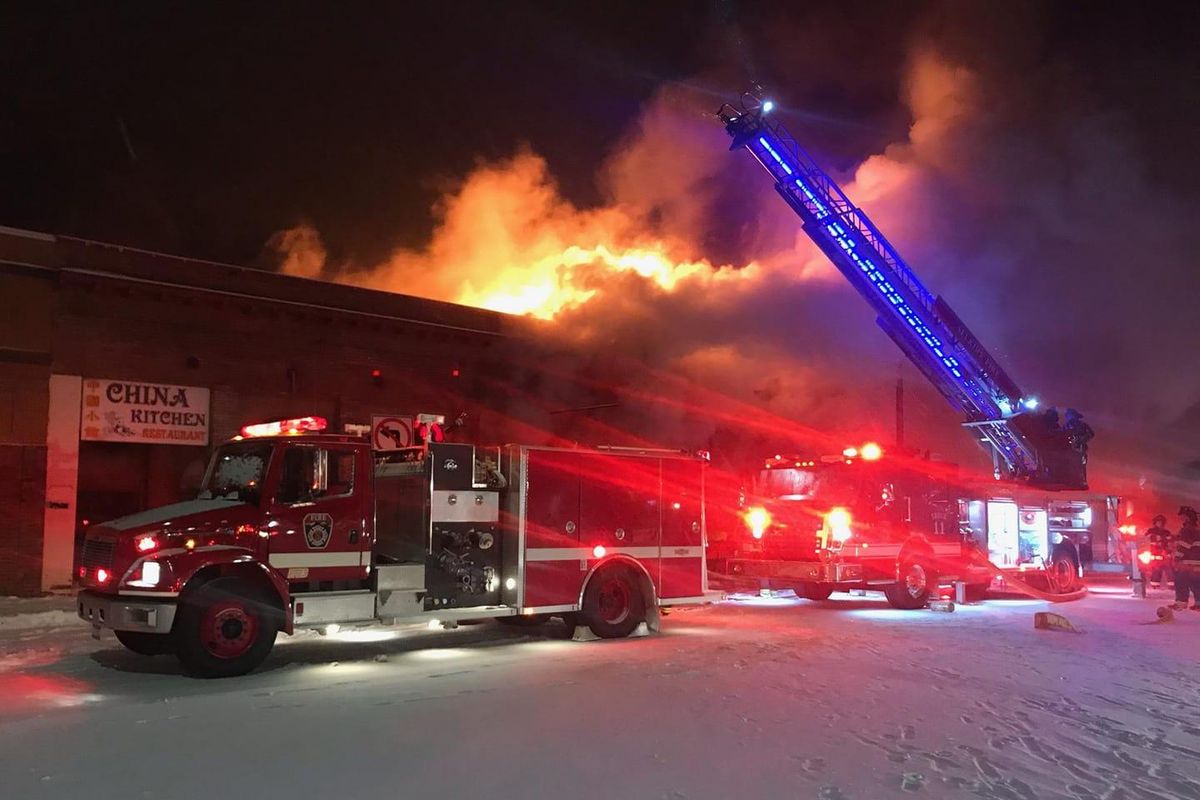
[
  {"x": 620, "y": 508},
  {"x": 682, "y": 528},
  {"x": 317, "y": 527}
]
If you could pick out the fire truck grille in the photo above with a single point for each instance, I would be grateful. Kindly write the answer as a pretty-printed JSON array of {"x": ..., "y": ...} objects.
[{"x": 96, "y": 554}]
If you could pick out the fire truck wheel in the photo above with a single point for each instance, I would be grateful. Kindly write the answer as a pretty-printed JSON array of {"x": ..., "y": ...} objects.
[
  {"x": 524, "y": 620},
  {"x": 145, "y": 644},
  {"x": 1063, "y": 575},
  {"x": 814, "y": 591},
  {"x": 613, "y": 605},
  {"x": 917, "y": 581},
  {"x": 225, "y": 628}
]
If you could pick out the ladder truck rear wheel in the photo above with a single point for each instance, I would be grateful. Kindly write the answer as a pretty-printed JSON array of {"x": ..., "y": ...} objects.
[
  {"x": 146, "y": 644},
  {"x": 225, "y": 628},
  {"x": 814, "y": 591},
  {"x": 613, "y": 605},
  {"x": 1062, "y": 576},
  {"x": 918, "y": 580}
]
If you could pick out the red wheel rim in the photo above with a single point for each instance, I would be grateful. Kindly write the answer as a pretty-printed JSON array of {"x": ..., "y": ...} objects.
[
  {"x": 228, "y": 630},
  {"x": 613, "y": 602}
]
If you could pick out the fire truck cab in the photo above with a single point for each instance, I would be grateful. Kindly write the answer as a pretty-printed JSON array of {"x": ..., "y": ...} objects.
[
  {"x": 864, "y": 520},
  {"x": 297, "y": 528}
]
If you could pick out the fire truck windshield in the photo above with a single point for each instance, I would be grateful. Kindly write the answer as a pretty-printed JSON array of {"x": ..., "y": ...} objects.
[
  {"x": 787, "y": 484},
  {"x": 236, "y": 472},
  {"x": 827, "y": 483}
]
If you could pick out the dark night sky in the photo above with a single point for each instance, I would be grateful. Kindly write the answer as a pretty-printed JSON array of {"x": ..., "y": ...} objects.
[
  {"x": 239, "y": 121},
  {"x": 204, "y": 132}
]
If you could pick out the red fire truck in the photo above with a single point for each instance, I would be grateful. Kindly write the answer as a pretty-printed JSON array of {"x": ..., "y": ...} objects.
[
  {"x": 863, "y": 519},
  {"x": 299, "y": 528}
]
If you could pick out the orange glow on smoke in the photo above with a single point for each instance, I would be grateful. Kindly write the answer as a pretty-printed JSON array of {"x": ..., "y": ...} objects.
[{"x": 550, "y": 284}]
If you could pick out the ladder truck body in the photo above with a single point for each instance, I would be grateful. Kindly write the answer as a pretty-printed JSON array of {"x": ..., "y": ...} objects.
[
  {"x": 864, "y": 519},
  {"x": 922, "y": 325}
]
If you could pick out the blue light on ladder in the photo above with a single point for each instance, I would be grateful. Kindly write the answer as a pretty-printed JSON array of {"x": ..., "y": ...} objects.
[{"x": 848, "y": 244}]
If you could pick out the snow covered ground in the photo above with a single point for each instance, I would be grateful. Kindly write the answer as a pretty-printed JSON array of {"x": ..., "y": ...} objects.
[{"x": 772, "y": 698}]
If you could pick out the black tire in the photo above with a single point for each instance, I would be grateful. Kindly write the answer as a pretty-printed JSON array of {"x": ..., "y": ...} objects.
[
  {"x": 524, "y": 620},
  {"x": 225, "y": 628},
  {"x": 917, "y": 583},
  {"x": 146, "y": 644},
  {"x": 814, "y": 591},
  {"x": 1062, "y": 576},
  {"x": 613, "y": 605}
]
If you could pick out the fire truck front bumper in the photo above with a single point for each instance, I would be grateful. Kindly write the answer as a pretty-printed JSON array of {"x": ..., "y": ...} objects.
[
  {"x": 796, "y": 571},
  {"x": 142, "y": 614}
]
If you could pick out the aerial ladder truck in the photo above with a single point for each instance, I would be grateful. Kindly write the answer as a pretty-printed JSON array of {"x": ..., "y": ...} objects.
[{"x": 911, "y": 531}]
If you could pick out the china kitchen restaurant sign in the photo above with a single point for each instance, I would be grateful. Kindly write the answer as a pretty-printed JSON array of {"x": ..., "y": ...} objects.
[{"x": 143, "y": 413}]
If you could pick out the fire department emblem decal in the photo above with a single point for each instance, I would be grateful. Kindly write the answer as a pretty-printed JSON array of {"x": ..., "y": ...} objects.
[{"x": 318, "y": 529}]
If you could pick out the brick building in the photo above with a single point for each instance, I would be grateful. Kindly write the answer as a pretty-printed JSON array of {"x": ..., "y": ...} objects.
[{"x": 88, "y": 325}]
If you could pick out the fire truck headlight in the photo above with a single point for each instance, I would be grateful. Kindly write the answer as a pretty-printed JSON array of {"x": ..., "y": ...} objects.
[
  {"x": 838, "y": 522},
  {"x": 150, "y": 575},
  {"x": 758, "y": 519}
]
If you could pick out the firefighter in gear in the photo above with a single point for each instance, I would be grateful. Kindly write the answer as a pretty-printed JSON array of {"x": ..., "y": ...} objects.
[
  {"x": 1161, "y": 541},
  {"x": 1187, "y": 560}
]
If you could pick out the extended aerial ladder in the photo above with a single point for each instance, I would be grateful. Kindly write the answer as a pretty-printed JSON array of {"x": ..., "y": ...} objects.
[{"x": 1022, "y": 444}]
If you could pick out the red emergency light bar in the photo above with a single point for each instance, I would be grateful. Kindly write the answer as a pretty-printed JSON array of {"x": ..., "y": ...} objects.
[{"x": 285, "y": 426}]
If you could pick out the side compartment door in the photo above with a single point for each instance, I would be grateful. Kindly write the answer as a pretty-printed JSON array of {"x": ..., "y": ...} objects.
[
  {"x": 317, "y": 521},
  {"x": 620, "y": 509},
  {"x": 683, "y": 569},
  {"x": 552, "y": 550}
]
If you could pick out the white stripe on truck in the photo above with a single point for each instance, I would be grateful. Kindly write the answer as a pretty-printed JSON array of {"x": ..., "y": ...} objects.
[
  {"x": 290, "y": 560},
  {"x": 587, "y": 553}
]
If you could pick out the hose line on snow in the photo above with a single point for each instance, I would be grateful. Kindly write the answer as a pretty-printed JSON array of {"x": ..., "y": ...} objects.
[{"x": 1025, "y": 588}]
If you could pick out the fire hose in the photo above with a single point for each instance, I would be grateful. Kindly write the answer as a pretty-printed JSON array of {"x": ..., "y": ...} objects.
[{"x": 1025, "y": 588}]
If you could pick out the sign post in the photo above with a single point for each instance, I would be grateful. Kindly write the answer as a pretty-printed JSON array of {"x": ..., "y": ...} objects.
[{"x": 391, "y": 432}]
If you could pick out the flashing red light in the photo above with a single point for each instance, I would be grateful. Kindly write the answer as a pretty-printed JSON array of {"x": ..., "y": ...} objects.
[
  {"x": 1145, "y": 557},
  {"x": 146, "y": 543},
  {"x": 102, "y": 575},
  {"x": 598, "y": 551},
  {"x": 454, "y": 373},
  {"x": 376, "y": 373},
  {"x": 285, "y": 426},
  {"x": 85, "y": 522},
  {"x": 83, "y": 572}
]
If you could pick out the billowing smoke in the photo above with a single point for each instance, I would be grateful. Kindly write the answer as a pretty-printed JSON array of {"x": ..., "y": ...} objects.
[{"x": 694, "y": 303}]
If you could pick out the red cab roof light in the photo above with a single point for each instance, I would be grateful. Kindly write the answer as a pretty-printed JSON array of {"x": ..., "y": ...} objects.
[{"x": 285, "y": 426}]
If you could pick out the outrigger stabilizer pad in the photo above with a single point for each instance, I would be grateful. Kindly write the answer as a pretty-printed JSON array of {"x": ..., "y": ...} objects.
[{"x": 1049, "y": 621}]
